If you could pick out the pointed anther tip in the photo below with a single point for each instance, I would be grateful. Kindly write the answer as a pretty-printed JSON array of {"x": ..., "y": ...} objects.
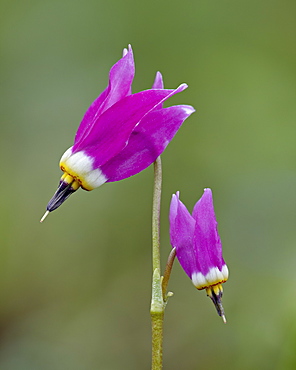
[
  {"x": 44, "y": 216},
  {"x": 224, "y": 319}
]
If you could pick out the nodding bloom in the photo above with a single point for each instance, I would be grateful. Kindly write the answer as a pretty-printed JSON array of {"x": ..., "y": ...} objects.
[
  {"x": 120, "y": 134},
  {"x": 198, "y": 246}
]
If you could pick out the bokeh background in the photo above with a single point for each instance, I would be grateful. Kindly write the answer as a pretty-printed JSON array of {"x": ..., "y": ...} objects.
[{"x": 75, "y": 291}]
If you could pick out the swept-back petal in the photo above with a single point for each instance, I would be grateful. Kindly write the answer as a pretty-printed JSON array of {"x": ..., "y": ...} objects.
[
  {"x": 147, "y": 142},
  {"x": 120, "y": 80},
  {"x": 182, "y": 227},
  {"x": 207, "y": 243},
  {"x": 113, "y": 128}
]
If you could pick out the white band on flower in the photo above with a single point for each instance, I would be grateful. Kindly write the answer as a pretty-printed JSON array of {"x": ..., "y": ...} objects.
[
  {"x": 80, "y": 166},
  {"x": 214, "y": 276}
]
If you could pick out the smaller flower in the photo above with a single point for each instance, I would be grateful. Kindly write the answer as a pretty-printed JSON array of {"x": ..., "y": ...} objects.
[{"x": 198, "y": 246}]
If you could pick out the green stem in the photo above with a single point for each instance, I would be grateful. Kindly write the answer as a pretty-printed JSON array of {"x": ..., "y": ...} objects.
[
  {"x": 156, "y": 215},
  {"x": 157, "y": 303}
]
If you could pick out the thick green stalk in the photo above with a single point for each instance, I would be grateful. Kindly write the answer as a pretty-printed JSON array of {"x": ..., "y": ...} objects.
[
  {"x": 157, "y": 339},
  {"x": 157, "y": 303}
]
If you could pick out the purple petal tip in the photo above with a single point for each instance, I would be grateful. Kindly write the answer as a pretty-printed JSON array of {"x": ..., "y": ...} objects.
[
  {"x": 207, "y": 194},
  {"x": 182, "y": 87},
  {"x": 158, "y": 81},
  {"x": 188, "y": 109}
]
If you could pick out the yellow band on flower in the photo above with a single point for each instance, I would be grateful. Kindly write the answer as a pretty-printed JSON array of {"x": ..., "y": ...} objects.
[
  {"x": 69, "y": 179},
  {"x": 71, "y": 175},
  {"x": 216, "y": 289}
]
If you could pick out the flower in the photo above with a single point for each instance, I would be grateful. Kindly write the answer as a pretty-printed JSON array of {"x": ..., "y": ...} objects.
[
  {"x": 120, "y": 134},
  {"x": 198, "y": 246}
]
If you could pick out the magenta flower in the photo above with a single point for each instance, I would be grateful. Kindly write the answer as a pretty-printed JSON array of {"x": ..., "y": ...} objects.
[
  {"x": 120, "y": 134},
  {"x": 198, "y": 246}
]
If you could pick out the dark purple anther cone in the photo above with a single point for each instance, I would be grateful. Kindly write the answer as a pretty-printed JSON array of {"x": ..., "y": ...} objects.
[{"x": 63, "y": 192}]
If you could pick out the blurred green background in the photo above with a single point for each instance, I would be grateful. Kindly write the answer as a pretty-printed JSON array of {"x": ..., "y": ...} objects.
[{"x": 75, "y": 291}]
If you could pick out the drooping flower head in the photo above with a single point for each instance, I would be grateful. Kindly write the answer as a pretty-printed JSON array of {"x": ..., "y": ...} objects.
[
  {"x": 198, "y": 246},
  {"x": 120, "y": 134}
]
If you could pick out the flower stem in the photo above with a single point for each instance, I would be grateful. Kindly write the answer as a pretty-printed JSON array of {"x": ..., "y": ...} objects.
[
  {"x": 157, "y": 302},
  {"x": 167, "y": 273},
  {"x": 156, "y": 215}
]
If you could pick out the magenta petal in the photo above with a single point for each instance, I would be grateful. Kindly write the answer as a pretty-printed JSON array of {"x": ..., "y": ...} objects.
[
  {"x": 113, "y": 128},
  {"x": 182, "y": 227},
  {"x": 207, "y": 243},
  {"x": 120, "y": 80},
  {"x": 147, "y": 142}
]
